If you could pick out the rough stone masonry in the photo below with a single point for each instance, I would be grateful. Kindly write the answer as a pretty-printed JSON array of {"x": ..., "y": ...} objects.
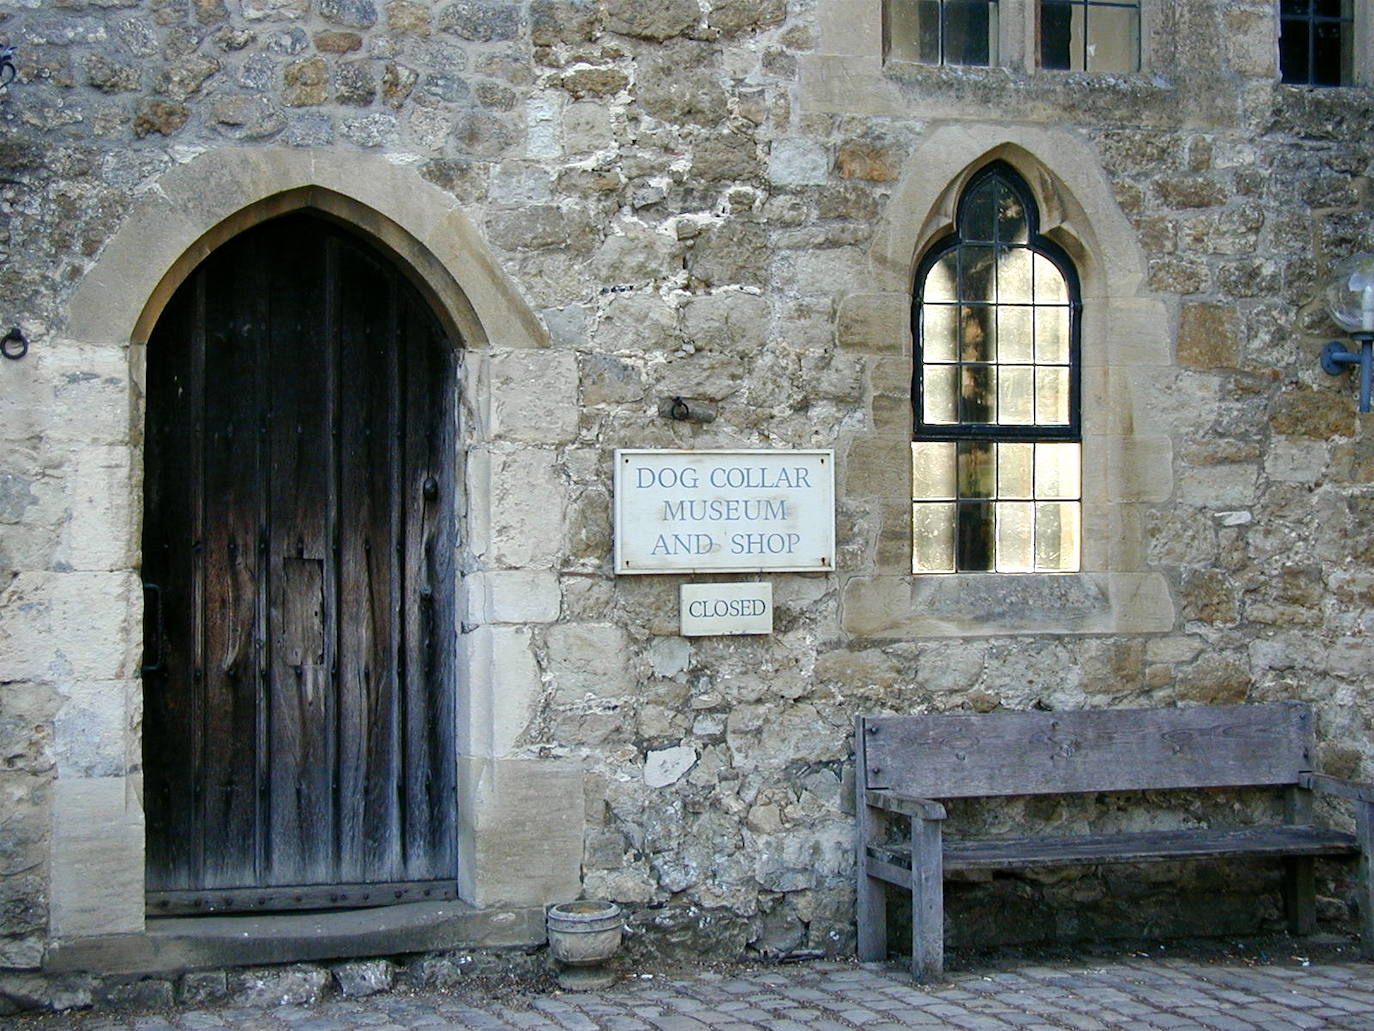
[{"x": 724, "y": 201}]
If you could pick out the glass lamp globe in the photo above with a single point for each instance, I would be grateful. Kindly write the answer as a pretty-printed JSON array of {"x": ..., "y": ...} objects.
[{"x": 1350, "y": 294}]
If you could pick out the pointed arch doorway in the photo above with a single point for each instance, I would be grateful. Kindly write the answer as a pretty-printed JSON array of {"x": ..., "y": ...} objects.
[{"x": 298, "y": 556}]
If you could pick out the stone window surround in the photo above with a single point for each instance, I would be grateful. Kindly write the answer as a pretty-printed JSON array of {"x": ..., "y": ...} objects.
[
  {"x": 1018, "y": 38},
  {"x": 96, "y": 891},
  {"x": 1127, "y": 453}
]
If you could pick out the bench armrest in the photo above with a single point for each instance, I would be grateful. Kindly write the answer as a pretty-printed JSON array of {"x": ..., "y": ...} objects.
[
  {"x": 907, "y": 805},
  {"x": 1356, "y": 791}
]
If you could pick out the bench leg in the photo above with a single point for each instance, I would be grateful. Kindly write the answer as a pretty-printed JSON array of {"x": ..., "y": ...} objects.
[
  {"x": 1364, "y": 833},
  {"x": 1299, "y": 886},
  {"x": 871, "y": 893},
  {"x": 1299, "y": 895},
  {"x": 927, "y": 900}
]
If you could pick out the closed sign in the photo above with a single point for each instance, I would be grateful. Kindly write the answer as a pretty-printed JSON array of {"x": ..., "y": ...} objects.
[{"x": 724, "y": 609}]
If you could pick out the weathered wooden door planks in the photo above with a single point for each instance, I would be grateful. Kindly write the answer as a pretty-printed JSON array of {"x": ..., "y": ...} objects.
[{"x": 299, "y": 526}]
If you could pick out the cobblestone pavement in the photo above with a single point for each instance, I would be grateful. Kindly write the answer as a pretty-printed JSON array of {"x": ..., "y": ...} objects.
[{"x": 1144, "y": 995}]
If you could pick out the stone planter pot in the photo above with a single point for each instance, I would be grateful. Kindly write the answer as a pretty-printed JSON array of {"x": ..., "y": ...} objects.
[{"x": 583, "y": 935}]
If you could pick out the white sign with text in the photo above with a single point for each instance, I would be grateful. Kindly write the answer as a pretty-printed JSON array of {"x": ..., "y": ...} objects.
[
  {"x": 724, "y": 609},
  {"x": 724, "y": 511}
]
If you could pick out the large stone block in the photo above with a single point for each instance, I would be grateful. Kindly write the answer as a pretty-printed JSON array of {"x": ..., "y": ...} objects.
[
  {"x": 500, "y": 664},
  {"x": 798, "y": 162},
  {"x": 521, "y": 831},
  {"x": 589, "y": 659},
  {"x": 875, "y": 323},
  {"x": 101, "y": 532},
  {"x": 91, "y": 733},
  {"x": 534, "y": 396},
  {"x": 728, "y": 321},
  {"x": 512, "y": 596},
  {"x": 97, "y": 858},
  {"x": 67, "y": 392},
  {"x": 56, "y": 626},
  {"x": 527, "y": 501},
  {"x": 878, "y": 467},
  {"x": 1209, "y": 336}
]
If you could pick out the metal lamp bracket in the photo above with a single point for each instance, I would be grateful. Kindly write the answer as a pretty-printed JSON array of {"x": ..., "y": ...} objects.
[{"x": 1336, "y": 357}]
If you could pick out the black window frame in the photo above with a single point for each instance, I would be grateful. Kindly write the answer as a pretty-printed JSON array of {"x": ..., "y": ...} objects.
[
  {"x": 1036, "y": 243},
  {"x": 1310, "y": 19},
  {"x": 1065, "y": 8},
  {"x": 991, "y": 14}
]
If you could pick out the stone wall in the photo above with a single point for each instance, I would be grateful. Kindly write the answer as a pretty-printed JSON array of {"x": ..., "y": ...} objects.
[{"x": 720, "y": 200}]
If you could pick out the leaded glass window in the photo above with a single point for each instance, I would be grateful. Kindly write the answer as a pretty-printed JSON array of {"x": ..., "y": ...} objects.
[
  {"x": 1316, "y": 42},
  {"x": 960, "y": 32},
  {"x": 1090, "y": 35},
  {"x": 996, "y": 454}
]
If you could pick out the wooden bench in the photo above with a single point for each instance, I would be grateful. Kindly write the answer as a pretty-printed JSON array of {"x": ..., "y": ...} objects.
[{"x": 906, "y": 764}]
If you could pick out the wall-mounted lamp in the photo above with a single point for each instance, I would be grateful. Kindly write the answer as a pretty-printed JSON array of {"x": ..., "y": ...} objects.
[{"x": 1350, "y": 300}]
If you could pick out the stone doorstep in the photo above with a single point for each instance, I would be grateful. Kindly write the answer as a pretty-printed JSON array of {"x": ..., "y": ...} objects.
[{"x": 172, "y": 945}]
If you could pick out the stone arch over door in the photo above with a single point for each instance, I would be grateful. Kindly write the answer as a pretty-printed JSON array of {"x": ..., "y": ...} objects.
[{"x": 173, "y": 224}]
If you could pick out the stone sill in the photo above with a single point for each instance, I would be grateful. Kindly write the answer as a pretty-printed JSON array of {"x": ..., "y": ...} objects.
[
  {"x": 173, "y": 945},
  {"x": 961, "y": 605}
]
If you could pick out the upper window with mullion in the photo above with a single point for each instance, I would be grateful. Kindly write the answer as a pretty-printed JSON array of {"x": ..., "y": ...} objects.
[
  {"x": 951, "y": 32},
  {"x": 1316, "y": 42},
  {"x": 996, "y": 453},
  {"x": 1090, "y": 35}
]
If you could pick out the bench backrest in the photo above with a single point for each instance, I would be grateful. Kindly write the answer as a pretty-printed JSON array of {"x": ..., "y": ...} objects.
[{"x": 1032, "y": 753}]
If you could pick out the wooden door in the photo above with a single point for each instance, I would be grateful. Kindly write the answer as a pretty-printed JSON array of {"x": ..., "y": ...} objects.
[{"x": 298, "y": 555}]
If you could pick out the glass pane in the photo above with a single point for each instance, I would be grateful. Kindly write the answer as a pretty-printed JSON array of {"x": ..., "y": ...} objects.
[
  {"x": 1057, "y": 472},
  {"x": 978, "y": 219},
  {"x": 1011, "y": 217},
  {"x": 970, "y": 32},
  {"x": 1113, "y": 39},
  {"x": 1056, "y": 536},
  {"x": 1015, "y": 536},
  {"x": 932, "y": 470},
  {"x": 1056, "y": 36},
  {"x": 976, "y": 400},
  {"x": 1016, "y": 395},
  {"x": 914, "y": 30},
  {"x": 1328, "y": 54},
  {"x": 1331, "y": 8},
  {"x": 1014, "y": 338},
  {"x": 976, "y": 535},
  {"x": 932, "y": 537},
  {"x": 1052, "y": 395},
  {"x": 1050, "y": 287},
  {"x": 939, "y": 332},
  {"x": 1015, "y": 463},
  {"x": 977, "y": 469},
  {"x": 1052, "y": 336},
  {"x": 976, "y": 278},
  {"x": 1295, "y": 6},
  {"x": 978, "y": 339},
  {"x": 1293, "y": 51},
  {"x": 940, "y": 284},
  {"x": 1014, "y": 276},
  {"x": 939, "y": 394}
]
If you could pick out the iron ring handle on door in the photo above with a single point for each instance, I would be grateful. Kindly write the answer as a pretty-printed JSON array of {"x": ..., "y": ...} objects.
[{"x": 152, "y": 616}]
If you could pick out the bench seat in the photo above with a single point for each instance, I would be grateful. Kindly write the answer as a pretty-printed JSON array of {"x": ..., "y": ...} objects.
[{"x": 1143, "y": 847}]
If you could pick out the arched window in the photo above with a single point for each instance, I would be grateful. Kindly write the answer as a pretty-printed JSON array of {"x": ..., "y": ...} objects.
[{"x": 996, "y": 456}]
